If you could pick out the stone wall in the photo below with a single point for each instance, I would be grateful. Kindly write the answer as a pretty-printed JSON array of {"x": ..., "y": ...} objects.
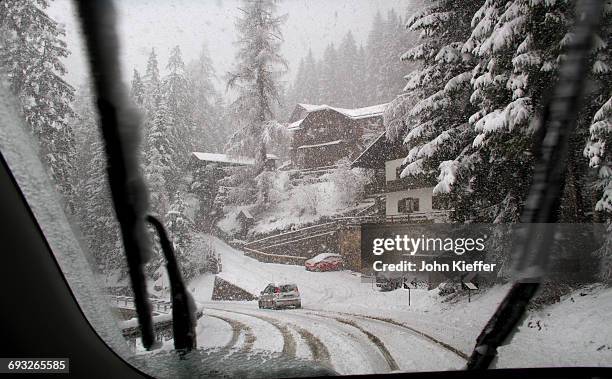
[{"x": 349, "y": 246}]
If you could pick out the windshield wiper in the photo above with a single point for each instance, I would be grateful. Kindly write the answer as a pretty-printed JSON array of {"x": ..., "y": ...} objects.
[
  {"x": 183, "y": 306},
  {"x": 120, "y": 125},
  {"x": 557, "y": 124}
]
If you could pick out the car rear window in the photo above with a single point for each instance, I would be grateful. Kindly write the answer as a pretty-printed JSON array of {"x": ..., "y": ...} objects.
[{"x": 288, "y": 288}]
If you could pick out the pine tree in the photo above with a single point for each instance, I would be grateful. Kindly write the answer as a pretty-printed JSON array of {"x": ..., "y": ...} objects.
[
  {"x": 396, "y": 41},
  {"x": 259, "y": 65},
  {"x": 360, "y": 78},
  {"x": 152, "y": 84},
  {"x": 180, "y": 228},
  {"x": 137, "y": 90},
  {"x": 175, "y": 92},
  {"x": 94, "y": 208},
  {"x": 31, "y": 51},
  {"x": 519, "y": 45},
  {"x": 210, "y": 132},
  {"x": 598, "y": 152},
  {"x": 374, "y": 60},
  {"x": 310, "y": 87},
  {"x": 328, "y": 74},
  {"x": 348, "y": 73},
  {"x": 599, "y": 104},
  {"x": 159, "y": 168},
  {"x": 432, "y": 118}
]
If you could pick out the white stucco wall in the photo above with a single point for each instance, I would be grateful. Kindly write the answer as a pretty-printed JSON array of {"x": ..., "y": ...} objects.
[
  {"x": 390, "y": 167},
  {"x": 423, "y": 194}
]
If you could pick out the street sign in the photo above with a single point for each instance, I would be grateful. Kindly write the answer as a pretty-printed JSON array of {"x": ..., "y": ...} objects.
[{"x": 470, "y": 287}]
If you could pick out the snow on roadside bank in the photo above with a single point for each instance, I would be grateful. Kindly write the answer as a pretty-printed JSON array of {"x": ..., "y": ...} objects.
[{"x": 572, "y": 332}]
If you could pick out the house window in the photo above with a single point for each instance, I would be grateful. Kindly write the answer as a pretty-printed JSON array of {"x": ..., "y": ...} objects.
[
  {"x": 408, "y": 205},
  {"x": 398, "y": 172}
]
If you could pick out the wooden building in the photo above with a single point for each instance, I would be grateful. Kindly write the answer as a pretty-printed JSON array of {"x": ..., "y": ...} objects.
[
  {"x": 322, "y": 135},
  {"x": 405, "y": 199}
]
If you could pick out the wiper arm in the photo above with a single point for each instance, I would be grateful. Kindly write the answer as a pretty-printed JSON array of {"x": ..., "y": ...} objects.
[
  {"x": 558, "y": 122},
  {"x": 120, "y": 130},
  {"x": 183, "y": 306}
]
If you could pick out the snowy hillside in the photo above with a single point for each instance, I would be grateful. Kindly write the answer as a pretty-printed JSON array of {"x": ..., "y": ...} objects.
[{"x": 302, "y": 201}]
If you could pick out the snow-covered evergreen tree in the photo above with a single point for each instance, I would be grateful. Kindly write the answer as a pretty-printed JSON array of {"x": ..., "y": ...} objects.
[
  {"x": 152, "y": 84},
  {"x": 598, "y": 151},
  {"x": 432, "y": 117},
  {"x": 520, "y": 45},
  {"x": 352, "y": 76},
  {"x": 309, "y": 88},
  {"x": 210, "y": 132},
  {"x": 349, "y": 78},
  {"x": 180, "y": 229},
  {"x": 505, "y": 62},
  {"x": 599, "y": 140},
  {"x": 159, "y": 167},
  {"x": 329, "y": 92},
  {"x": 31, "y": 51},
  {"x": 397, "y": 39},
  {"x": 176, "y": 94},
  {"x": 375, "y": 60},
  {"x": 137, "y": 89},
  {"x": 94, "y": 208},
  {"x": 255, "y": 78}
]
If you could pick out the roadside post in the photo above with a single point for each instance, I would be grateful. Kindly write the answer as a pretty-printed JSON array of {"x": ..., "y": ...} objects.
[
  {"x": 470, "y": 287},
  {"x": 406, "y": 285}
]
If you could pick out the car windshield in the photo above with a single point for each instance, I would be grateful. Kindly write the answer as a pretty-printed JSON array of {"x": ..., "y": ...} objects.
[{"x": 384, "y": 157}]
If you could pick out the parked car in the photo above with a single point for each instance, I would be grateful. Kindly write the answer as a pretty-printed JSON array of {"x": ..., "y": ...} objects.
[
  {"x": 325, "y": 262},
  {"x": 276, "y": 296},
  {"x": 388, "y": 281}
]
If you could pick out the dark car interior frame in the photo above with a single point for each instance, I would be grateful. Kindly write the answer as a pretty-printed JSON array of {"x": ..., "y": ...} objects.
[{"x": 40, "y": 316}]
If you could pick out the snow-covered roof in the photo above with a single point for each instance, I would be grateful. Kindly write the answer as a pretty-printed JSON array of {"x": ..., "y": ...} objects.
[
  {"x": 295, "y": 125},
  {"x": 331, "y": 143},
  {"x": 378, "y": 152},
  {"x": 367, "y": 149},
  {"x": 246, "y": 213},
  {"x": 320, "y": 257},
  {"x": 356, "y": 113},
  {"x": 224, "y": 158}
]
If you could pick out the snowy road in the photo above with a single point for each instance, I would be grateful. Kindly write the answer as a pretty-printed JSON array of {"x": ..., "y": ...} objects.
[
  {"x": 347, "y": 343},
  {"x": 345, "y": 324}
]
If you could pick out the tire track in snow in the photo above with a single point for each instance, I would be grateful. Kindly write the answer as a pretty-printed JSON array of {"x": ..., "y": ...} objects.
[
  {"x": 319, "y": 351},
  {"x": 366, "y": 357},
  {"x": 317, "y": 348},
  {"x": 289, "y": 345},
  {"x": 376, "y": 341},
  {"x": 419, "y": 333},
  {"x": 237, "y": 329}
]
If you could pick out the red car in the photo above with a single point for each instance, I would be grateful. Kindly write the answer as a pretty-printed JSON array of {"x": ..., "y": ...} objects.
[{"x": 325, "y": 262}]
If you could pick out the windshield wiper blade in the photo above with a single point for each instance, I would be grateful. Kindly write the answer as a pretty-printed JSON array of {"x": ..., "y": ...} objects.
[
  {"x": 120, "y": 130},
  {"x": 119, "y": 124},
  {"x": 558, "y": 122},
  {"x": 183, "y": 306}
]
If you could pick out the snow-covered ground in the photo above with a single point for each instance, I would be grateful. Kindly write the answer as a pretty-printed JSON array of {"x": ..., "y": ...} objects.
[{"x": 366, "y": 331}]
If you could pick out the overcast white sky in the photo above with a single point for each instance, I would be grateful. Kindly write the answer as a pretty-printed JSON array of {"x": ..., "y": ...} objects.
[{"x": 162, "y": 24}]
